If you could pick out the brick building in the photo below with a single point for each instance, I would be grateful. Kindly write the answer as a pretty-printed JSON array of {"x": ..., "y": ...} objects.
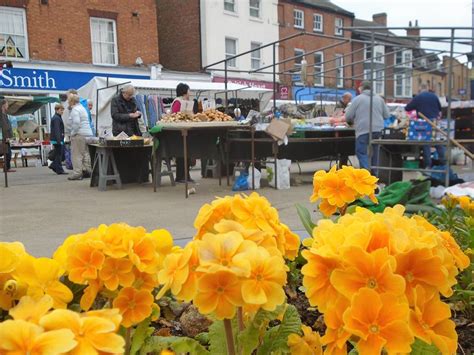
[
  {"x": 327, "y": 72},
  {"x": 68, "y": 42},
  {"x": 460, "y": 89},
  {"x": 204, "y": 32},
  {"x": 392, "y": 62}
]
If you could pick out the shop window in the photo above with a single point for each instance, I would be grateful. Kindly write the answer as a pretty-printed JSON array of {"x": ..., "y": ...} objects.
[
  {"x": 230, "y": 51},
  {"x": 318, "y": 69},
  {"x": 256, "y": 56},
  {"x": 339, "y": 24},
  {"x": 229, "y": 5},
  {"x": 318, "y": 23},
  {"x": 104, "y": 41},
  {"x": 298, "y": 18},
  {"x": 13, "y": 34},
  {"x": 254, "y": 8}
]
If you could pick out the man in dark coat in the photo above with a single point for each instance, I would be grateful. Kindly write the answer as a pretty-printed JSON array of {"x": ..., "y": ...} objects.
[
  {"x": 7, "y": 134},
  {"x": 124, "y": 113},
  {"x": 57, "y": 139}
]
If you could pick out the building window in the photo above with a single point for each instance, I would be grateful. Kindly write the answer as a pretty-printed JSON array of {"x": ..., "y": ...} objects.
[
  {"x": 339, "y": 24},
  {"x": 404, "y": 59},
  {"x": 299, "y": 54},
  {"x": 229, "y": 5},
  {"x": 104, "y": 41},
  {"x": 254, "y": 8},
  {"x": 256, "y": 55},
  {"x": 13, "y": 34},
  {"x": 318, "y": 23},
  {"x": 339, "y": 71},
  {"x": 379, "y": 51},
  {"x": 298, "y": 18},
  {"x": 379, "y": 80},
  {"x": 403, "y": 85},
  {"x": 318, "y": 69},
  {"x": 230, "y": 51}
]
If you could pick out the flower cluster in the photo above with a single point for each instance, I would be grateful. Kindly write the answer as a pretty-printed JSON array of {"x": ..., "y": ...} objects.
[
  {"x": 34, "y": 329},
  {"x": 236, "y": 259},
  {"x": 378, "y": 278},
  {"x": 254, "y": 217},
  {"x": 338, "y": 188},
  {"x": 22, "y": 274},
  {"x": 463, "y": 202},
  {"x": 121, "y": 263}
]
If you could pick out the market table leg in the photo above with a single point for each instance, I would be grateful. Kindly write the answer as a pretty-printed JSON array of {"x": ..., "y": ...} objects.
[{"x": 184, "y": 133}]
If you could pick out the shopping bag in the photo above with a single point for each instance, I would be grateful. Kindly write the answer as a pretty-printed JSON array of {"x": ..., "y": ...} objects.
[
  {"x": 51, "y": 154},
  {"x": 283, "y": 174},
  {"x": 258, "y": 176},
  {"x": 241, "y": 183}
]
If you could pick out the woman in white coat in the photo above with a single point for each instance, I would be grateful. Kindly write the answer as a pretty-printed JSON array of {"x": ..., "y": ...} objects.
[{"x": 80, "y": 130}]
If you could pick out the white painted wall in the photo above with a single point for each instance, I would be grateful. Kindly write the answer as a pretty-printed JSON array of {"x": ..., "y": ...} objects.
[{"x": 217, "y": 24}]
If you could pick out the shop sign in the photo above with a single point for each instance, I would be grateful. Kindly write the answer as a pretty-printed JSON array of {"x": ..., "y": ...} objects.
[
  {"x": 284, "y": 91},
  {"x": 244, "y": 82},
  {"x": 296, "y": 78},
  {"x": 49, "y": 80},
  {"x": 462, "y": 92}
]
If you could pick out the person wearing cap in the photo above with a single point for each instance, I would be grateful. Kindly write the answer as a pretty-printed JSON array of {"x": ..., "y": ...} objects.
[{"x": 358, "y": 113}]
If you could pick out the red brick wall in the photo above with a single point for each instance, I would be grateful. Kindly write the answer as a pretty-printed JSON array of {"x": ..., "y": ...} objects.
[
  {"x": 310, "y": 43},
  {"x": 180, "y": 34},
  {"x": 60, "y": 30}
]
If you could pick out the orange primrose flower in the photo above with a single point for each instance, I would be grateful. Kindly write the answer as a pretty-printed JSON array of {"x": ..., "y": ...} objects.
[
  {"x": 308, "y": 344},
  {"x": 117, "y": 272},
  {"x": 219, "y": 293},
  {"x": 134, "y": 305},
  {"x": 336, "y": 337},
  {"x": 361, "y": 269},
  {"x": 84, "y": 262},
  {"x": 429, "y": 321},
  {"x": 380, "y": 321}
]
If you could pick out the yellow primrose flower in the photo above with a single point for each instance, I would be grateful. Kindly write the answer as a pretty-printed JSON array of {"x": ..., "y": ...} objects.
[
  {"x": 42, "y": 277},
  {"x": 175, "y": 272},
  {"x": 21, "y": 337},
  {"x": 308, "y": 344},
  {"x": 94, "y": 335},
  {"x": 264, "y": 285},
  {"x": 31, "y": 310},
  {"x": 224, "y": 252}
]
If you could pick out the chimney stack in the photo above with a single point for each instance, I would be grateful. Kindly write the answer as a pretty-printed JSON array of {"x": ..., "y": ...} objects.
[
  {"x": 380, "y": 18},
  {"x": 413, "y": 30}
]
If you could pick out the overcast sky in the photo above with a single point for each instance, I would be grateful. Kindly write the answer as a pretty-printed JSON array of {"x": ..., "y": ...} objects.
[{"x": 427, "y": 12}]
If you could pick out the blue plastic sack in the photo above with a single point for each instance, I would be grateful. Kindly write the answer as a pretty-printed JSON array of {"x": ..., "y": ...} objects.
[
  {"x": 241, "y": 183},
  {"x": 67, "y": 158}
]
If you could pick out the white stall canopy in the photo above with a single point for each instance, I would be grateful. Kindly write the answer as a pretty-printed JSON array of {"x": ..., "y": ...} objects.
[{"x": 101, "y": 90}]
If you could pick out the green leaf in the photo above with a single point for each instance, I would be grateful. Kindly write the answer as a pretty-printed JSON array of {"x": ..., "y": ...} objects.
[
  {"x": 203, "y": 338},
  {"x": 419, "y": 347},
  {"x": 177, "y": 344},
  {"x": 217, "y": 337},
  {"x": 305, "y": 218},
  {"x": 249, "y": 339},
  {"x": 140, "y": 334},
  {"x": 276, "y": 338}
]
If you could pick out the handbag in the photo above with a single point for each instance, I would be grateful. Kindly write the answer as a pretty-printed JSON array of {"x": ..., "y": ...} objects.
[{"x": 51, "y": 154}]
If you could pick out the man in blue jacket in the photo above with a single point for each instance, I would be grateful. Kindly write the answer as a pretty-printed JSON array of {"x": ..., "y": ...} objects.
[
  {"x": 57, "y": 139},
  {"x": 428, "y": 104}
]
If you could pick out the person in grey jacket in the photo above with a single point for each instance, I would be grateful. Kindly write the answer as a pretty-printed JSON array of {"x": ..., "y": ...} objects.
[
  {"x": 359, "y": 113},
  {"x": 80, "y": 129}
]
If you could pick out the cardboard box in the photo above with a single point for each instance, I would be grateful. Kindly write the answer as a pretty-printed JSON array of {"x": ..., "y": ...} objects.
[{"x": 278, "y": 129}]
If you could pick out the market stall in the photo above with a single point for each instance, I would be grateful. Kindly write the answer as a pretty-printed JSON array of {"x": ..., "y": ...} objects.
[{"x": 26, "y": 138}]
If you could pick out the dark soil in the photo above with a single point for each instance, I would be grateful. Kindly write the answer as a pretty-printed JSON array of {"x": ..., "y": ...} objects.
[
  {"x": 465, "y": 330},
  {"x": 309, "y": 315}
]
